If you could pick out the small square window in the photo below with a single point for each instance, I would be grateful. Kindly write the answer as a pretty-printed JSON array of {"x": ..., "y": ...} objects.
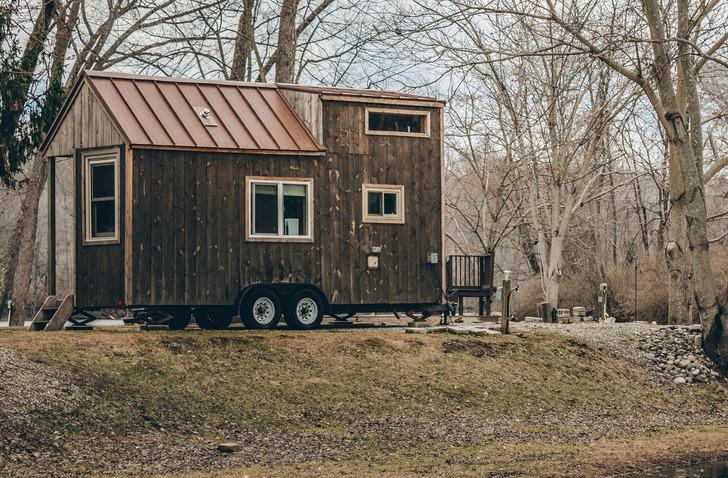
[{"x": 383, "y": 203}]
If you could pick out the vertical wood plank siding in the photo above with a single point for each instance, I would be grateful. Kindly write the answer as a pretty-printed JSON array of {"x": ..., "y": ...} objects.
[
  {"x": 99, "y": 268},
  {"x": 188, "y": 236}
]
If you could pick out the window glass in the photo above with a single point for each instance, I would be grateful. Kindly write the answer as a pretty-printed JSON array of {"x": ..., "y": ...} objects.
[
  {"x": 294, "y": 210},
  {"x": 397, "y": 122},
  {"x": 102, "y": 181},
  {"x": 265, "y": 199},
  {"x": 102, "y": 199},
  {"x": 280, "y": 209},
  {"x": 103, "y": 220},
  {"x": 383, "y": 203},
  {"x": 390, "y": 203},
  {"x": 375, "y": 203}
]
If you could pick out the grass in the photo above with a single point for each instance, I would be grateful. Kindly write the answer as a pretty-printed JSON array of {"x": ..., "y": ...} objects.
[{"x": 522, "y": 405}]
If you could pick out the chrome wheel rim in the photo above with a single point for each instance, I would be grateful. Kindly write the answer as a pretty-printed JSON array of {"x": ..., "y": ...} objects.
[
  {"x": 263, "y": 310},
  {"x": 306, "y": 311}
]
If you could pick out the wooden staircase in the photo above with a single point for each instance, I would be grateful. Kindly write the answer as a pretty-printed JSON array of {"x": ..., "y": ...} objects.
[{"x": 53, "y": 314}]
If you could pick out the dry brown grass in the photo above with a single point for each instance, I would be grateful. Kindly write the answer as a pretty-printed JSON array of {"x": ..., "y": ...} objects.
[{"x": 381, "y": 401}]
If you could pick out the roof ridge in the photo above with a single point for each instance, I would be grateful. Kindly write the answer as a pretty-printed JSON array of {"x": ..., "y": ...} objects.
[{"x": 176, "y": 79}]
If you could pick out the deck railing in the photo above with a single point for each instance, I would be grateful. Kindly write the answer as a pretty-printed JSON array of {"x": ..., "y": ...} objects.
[{"x": 469, "y": 272}]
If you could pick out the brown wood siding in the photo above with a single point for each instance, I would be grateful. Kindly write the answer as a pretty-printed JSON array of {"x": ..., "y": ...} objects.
[
  {"x": 99, "y": 268},
  {"x": 86, "y": 125},
  {"x": 188, "y": 243}
]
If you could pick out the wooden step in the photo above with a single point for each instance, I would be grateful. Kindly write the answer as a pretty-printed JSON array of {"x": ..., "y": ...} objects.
[
  {"x": 61, "y": 315},
  {"x": 44, "y": 314}
]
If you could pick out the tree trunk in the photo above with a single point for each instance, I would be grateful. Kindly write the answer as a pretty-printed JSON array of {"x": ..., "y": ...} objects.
[
  {"x": 27, "y": 226},
  {"x": 286, "y": 42},
  {"x": 678, "y": 267},
  {"x": 25, "y": 252},
  {"x": 243, "y": 42}
]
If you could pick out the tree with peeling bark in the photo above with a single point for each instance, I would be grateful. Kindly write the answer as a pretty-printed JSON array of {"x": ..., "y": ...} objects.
[{"x": 680, "y": 38}]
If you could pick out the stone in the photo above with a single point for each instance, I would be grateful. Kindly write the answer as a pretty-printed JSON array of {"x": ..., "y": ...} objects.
[
  {"x": 698, "y": 341},
  {"x": 683, "y": 363},
  {"x": 679, "y": 380},
  {"x": 533, "y": 319},
  {"x": 459, "y": 330},
  {"x": 228, "y": 447},
  {"x": 424, "y": 330},
  {"x": 418, "y": 323}
]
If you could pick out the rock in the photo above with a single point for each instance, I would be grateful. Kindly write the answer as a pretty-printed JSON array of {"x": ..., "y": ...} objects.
[
  {"x": 533, "y": 319},
  {"x": 228, "y": 447},
  {"x": 679, "y": 380},
  {"x": 698, "y": 341},
  {"x": 683, "y": 363}
]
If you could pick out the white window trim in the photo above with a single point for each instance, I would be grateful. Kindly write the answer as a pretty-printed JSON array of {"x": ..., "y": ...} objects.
[
  {"x": 280, "y": 182},
  {"x": 88, "y": 159},
  {"x": 396, "y": 111},
  {"x": 383, "y": 219}
]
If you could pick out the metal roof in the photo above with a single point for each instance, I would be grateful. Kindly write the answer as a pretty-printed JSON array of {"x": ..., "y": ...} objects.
[
  {"x": 361, "y": 93},
  {"x": 201, "y": 114}
]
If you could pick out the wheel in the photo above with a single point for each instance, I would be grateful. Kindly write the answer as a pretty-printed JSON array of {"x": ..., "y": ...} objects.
[
  {"x": 260, "y": 309},
  {"x": 304, "y": 310},
  {"x": 212, "y": 320},
  {"x": 179, "y": 320}
]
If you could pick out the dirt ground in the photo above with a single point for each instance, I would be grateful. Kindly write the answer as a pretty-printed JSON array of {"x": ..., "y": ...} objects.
[{"x": 345, "y": 402}]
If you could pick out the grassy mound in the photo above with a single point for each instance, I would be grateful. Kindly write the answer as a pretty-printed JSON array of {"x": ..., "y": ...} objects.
[{"x": 356, "y": 402}]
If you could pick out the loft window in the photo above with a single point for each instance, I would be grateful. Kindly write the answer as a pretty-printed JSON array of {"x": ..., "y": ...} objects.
[
  {"x": 279, "y": 210},
  {"x": 101, "y": 191},
  {"x": 383, "y": 203},
  {"x": 397, "y": 122}
]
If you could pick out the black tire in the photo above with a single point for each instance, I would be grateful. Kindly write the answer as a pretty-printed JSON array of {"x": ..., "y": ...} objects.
[
  {"x": 212, "y": 320},
  {"x": 260, "y": 309},
  {"x": 179, "y": 321},
  {"x": 304, "y": 310}
]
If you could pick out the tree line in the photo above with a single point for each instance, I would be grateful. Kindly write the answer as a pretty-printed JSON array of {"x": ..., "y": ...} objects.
[{"x": 577, "y": 130}]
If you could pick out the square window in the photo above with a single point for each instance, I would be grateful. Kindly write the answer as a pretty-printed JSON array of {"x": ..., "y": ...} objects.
[
  {"x": 383, "y": 203},
  {"x": 280, "y": 210}
]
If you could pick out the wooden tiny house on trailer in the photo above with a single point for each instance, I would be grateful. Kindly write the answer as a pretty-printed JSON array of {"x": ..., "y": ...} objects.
[{"x": 218, "y": 197}]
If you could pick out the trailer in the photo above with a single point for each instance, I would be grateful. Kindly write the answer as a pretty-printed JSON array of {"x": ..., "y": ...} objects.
[{"x": 175, "y": 197}]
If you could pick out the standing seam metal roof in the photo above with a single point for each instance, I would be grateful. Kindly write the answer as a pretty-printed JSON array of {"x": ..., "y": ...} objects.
[{"x": 165, "y": 112}]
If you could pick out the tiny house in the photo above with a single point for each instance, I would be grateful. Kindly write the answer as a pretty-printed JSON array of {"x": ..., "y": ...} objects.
[{"x": 217, "y": 198}]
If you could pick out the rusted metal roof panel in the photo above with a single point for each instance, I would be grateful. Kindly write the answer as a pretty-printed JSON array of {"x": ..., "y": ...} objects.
[{"x": 200, "y": 114}]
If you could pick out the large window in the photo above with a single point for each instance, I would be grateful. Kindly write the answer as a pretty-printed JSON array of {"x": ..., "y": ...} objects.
[
  {"x": 383, "y": 203},
  {"x": 279, "y": 209},
  {"x": 101, "y": 192},
  {"x": 397, "y": 122}
]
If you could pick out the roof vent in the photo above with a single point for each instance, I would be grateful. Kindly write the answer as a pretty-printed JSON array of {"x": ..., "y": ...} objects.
[{"x": 205, "y": 115}]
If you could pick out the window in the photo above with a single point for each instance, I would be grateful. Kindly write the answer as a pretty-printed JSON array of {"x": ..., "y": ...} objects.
[
  {"x": 383, "y": 203},
  {"x": 279, "y": 209},
  {"x": 394, "y": 122},
  {"x": 101, "y": 191}
]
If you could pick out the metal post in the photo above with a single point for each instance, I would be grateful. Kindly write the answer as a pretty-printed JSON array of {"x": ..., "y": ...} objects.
[
  {"x": 505, "y": 298},
  {"x": 634, "y": 315}
]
